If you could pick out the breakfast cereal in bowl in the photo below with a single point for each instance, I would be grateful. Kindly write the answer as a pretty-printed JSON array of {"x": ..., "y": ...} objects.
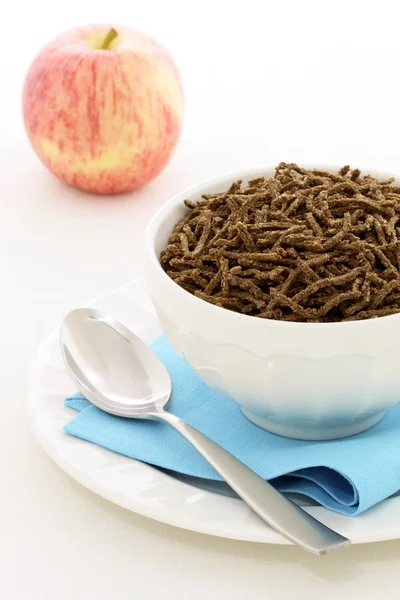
[{"x": 281, "y": 288}]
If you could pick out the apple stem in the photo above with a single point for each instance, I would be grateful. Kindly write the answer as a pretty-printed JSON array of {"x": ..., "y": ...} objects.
[{"x": 108, "y": 40}]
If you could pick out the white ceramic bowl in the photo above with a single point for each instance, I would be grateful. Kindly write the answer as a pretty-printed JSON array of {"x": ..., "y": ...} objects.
[{"x": 301, "y": 380}]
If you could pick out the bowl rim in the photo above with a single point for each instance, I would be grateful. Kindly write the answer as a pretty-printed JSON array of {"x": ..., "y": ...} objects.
[{"x": 164, "y": 211}]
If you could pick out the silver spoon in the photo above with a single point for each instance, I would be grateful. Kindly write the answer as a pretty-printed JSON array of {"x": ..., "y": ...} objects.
[{"x": 120, "y": 374}]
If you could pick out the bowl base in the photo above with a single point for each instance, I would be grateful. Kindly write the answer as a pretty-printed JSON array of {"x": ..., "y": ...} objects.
[{"x": 315, "y": 433}]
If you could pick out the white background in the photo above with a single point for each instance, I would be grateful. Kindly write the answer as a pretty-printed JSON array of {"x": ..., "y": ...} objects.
[{"x": 264, "y": 81}]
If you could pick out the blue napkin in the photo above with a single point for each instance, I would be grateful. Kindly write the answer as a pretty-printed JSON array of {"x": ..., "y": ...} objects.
[{"x": 347, "y": 476}]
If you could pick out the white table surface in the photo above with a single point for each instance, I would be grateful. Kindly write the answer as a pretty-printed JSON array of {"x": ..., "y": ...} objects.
[{"x": 265, "y": 82}]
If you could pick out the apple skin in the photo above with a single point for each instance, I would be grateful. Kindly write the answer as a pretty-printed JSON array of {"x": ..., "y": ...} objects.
[{"x": 103, "y": 120}]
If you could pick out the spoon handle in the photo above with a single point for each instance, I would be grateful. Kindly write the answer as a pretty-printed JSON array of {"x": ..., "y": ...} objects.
[{"x": 274, "y": 508}]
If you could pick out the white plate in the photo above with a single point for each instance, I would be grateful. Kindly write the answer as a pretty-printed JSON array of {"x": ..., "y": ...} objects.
[{"x": 184, "y": 502}]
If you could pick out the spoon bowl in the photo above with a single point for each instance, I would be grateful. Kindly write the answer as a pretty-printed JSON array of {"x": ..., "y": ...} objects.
[{"x": 133, "y": 384}]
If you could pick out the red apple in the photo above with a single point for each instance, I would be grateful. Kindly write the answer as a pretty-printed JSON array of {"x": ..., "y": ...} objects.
[{"x": 103, "y": 108}]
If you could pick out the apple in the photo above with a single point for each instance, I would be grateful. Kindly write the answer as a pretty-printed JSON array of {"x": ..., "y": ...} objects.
[{"x": 103, "y": 108}]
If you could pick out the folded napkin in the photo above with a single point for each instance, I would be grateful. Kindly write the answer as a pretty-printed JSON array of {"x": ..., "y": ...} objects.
[{"x": 347, "y": 476}]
